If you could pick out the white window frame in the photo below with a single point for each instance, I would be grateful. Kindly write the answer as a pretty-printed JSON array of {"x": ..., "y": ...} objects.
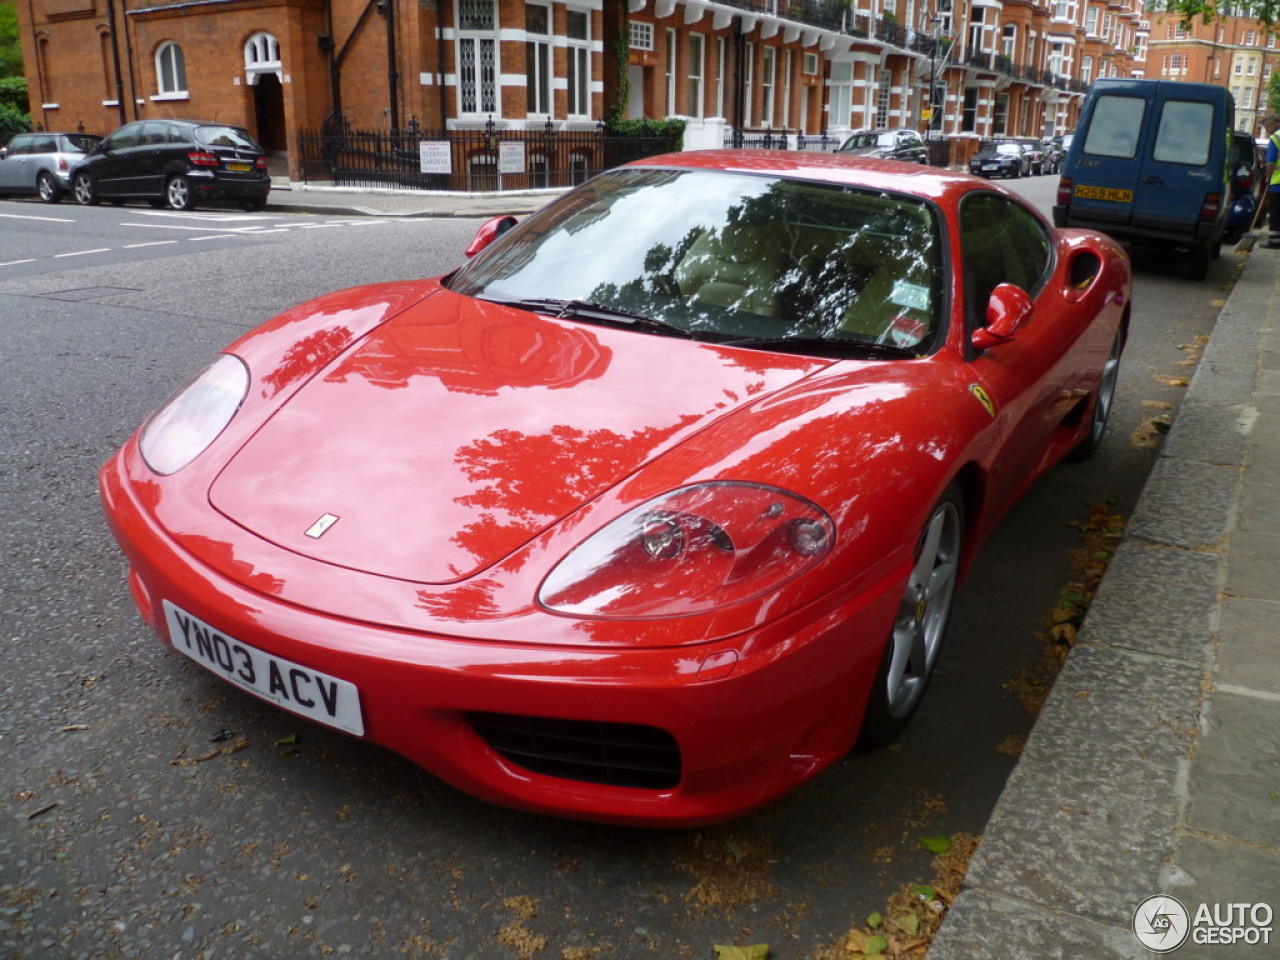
[
  {"x": 671, "y": 72},
  {"x": 539, "y": 65},
  {"x": 171, "y": 72},
  {"x": 787, "y": 69},
  {"x": 720, "y": 54},
  {"x": 578, "y": 50},
  {"x": 749, "y": 87},
  {"x": 472, "y": 44},
  {"x": 696, "y": 74},
  {"x": 768, "y": 81},
  {"x": 840, "y": 95},
  {"x": 641, "y": 35}
]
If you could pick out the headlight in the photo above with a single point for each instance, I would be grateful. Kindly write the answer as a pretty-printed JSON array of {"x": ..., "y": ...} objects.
[
  {"x": 690, "y": 551},
  {"x": 181, "y": 430}
]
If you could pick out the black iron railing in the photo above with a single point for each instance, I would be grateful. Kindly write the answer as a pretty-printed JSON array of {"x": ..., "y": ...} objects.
[{"x": 477, "y": 160}]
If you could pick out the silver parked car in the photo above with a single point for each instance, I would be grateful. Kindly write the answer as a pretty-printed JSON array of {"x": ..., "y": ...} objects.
[{"x": 42, "y": 163}]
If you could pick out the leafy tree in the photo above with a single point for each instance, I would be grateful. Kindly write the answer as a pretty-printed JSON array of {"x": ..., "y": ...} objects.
[
  {"x": 10, "y": 49},
  {"x": 1266, "y": 11}
]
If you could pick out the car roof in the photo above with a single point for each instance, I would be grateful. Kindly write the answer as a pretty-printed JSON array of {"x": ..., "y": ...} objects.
[{"x": 893, "y": 176}]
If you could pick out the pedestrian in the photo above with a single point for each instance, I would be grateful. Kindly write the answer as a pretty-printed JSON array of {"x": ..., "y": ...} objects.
[{"x": 1271, "y": 199}]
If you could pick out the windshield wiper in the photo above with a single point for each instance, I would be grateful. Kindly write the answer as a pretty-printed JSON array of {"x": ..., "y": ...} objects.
[
  {"x": 597, "y": 312},
  {"x": 824, "y": 345}
]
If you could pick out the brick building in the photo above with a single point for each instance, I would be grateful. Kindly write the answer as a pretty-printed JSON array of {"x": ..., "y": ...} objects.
[
  {"x": 964, "y": 69},
  {"x": 1232, "y": 52}
]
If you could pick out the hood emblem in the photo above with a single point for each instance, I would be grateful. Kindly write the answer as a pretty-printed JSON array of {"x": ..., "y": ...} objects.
[{"x": 321, "y": 526}]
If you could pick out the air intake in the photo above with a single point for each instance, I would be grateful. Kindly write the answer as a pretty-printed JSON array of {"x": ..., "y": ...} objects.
[{"x": 615, "y": 754}]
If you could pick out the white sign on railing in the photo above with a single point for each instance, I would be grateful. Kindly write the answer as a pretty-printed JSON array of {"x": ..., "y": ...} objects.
[
  {"x": 435, "y": 156},
  {"x": 511, "y": 156}
]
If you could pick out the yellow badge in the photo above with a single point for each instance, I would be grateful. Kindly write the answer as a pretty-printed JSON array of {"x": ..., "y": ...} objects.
[{"x": 983, "y": 398}]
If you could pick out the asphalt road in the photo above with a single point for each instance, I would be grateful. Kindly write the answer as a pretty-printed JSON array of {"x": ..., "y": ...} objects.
[{"x": 128, "y": 833}]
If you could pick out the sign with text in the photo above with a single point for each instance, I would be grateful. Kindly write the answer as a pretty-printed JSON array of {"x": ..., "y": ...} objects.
[
  {"x": 434, "y": 156},
  {"x": 511, "y": 157}
]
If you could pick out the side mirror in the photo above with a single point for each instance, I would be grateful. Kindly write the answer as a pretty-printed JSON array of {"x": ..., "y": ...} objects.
[
  {"x": 1008, "y": 309},
  {"x": 489, "y": 231}
]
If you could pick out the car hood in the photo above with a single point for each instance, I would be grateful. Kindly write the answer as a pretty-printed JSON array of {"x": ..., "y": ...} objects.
[{"x": 458, "y": 430}]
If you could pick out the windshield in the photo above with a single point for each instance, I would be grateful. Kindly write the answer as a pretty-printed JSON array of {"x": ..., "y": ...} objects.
[{"x": 729, "y": 256}]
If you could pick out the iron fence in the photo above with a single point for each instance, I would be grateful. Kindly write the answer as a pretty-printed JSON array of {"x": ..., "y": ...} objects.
[
  {"x": 780, "y": 140},
  {"x": 479, "y": 160}
]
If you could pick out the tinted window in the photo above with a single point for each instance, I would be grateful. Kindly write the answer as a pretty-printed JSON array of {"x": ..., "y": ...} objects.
[
  {"x": 122, "y": 138},
  {"x": 1114, "y": 129},
  {"x": 78, "y": 143},
  {"x": 1003, "y": 243},
  {"x": 225, "y": 137},
  {"x": 1184, "y": 132},
  {"x": 19, "y": 145}
]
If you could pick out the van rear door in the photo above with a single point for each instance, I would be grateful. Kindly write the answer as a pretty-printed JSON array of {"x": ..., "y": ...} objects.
[
  {"x": 1185, "y": 166},
  {"x": 1106, "y": 174}
]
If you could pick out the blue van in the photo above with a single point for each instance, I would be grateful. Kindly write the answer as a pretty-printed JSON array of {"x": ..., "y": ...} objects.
[{"x": 1149, "y": 164}]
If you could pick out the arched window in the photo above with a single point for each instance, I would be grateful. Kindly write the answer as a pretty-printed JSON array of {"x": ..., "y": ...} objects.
[
  {"x": 171, "y": 70},
  {"x": 261, "y": 55}
]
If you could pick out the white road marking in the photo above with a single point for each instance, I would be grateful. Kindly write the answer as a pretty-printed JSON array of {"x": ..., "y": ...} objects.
[
  {"x": 81, "y": 253},
  {"x": 18, "y": 216}
]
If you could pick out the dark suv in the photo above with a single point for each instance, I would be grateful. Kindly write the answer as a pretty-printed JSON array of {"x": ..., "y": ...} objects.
[
  {"x": 900, "y": 144},
  {"x": 179, "y": 162}
]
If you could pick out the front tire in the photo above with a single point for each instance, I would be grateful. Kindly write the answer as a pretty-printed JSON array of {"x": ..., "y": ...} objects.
[
  {"x": 179, "y": 194},
  {"x": 85, "y": 189},
  {"x": 912, "y": 651},
  {"x": 49, "y": 188}
]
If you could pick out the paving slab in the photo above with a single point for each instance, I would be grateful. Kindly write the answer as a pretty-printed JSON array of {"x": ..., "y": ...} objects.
[
  {"x": 1089, "y": 814},
  {"x": 1186, "y": 504},
  {"x": 1249, "y": 646},
  {"x": 1235, "y": 777},
  {"x": 985, "y": 927},
  {"x": 1156, "y": 599},
  {"x": 1210, "y": 870}
]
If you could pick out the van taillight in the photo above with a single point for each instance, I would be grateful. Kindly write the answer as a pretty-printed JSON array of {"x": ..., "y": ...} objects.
[
  {"x": 1209, "y": 210},
  {"x": 199, "y": 158},
  {"x": 1064, "y": 191}
]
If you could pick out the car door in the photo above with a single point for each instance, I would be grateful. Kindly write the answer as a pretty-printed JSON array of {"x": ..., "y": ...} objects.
[
  {"x": 1105, "y": 170},
  {"x": 1030, "y": 381},
  {"x": 1187, "y": 135},
  {"x": 111, "y": 162},
  {"x": 14, "y": 162},
  {"x": 151, "y": 157}
]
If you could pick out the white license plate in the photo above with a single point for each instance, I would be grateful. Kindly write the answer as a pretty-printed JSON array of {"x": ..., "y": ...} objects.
[
  {"x": 310, "y": 693},
  {"x": 991, "y": 166}
]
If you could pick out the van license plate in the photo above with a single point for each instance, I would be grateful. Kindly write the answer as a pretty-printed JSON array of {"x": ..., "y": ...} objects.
[
  {"x": 1113, "y": 194},
  {"x": 310, "y": 693}
]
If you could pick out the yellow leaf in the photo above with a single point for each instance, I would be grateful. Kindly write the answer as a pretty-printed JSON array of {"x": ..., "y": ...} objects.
[{"x": 757, "y": 951}]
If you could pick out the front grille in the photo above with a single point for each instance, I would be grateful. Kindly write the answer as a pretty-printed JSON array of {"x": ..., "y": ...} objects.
[{"x": 615, "y": 754}]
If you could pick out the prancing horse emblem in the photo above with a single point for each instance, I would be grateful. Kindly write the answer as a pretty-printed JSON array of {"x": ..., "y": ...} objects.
[{"x": 321, "y": 526}]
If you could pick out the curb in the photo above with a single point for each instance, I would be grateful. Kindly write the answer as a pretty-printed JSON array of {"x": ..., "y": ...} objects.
[{"x": 1094, "y": 817}]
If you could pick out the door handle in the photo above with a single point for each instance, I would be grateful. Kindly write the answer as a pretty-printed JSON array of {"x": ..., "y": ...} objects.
[{"x": 1153, "y": 181}]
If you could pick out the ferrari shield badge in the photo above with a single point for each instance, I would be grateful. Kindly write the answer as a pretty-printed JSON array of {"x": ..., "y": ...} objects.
[
  {"x": 321, "y": 526},
  {"x": 984, "y": 398}
]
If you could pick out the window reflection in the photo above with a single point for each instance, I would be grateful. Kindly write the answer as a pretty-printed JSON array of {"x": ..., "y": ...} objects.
[{"x": 730, "y": 255}]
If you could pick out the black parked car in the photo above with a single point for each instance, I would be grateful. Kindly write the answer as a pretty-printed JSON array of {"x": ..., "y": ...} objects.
[
  {"x": 179, "y": 162},
  {"x": 901, "y": 144},
  {"x": 1000, "y": 158}
]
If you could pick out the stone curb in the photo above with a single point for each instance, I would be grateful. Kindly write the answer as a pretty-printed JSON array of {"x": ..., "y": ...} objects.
[{"x": 1094, "y": 817}]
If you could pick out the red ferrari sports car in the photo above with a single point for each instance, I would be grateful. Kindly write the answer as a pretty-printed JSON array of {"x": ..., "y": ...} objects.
[{"x": 653, "y": 509}]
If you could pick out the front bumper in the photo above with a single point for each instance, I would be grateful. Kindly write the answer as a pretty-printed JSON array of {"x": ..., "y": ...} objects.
[{"x": 750, "y": 717}]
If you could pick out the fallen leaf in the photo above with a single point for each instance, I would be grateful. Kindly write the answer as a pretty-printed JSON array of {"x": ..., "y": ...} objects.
[
  {"x": 757, "y": 951},
  {"x": 936, "y": 843}
]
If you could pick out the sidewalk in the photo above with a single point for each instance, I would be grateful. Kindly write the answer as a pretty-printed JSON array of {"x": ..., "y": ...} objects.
[
  {"x": 1155, "y": 765},
  {"x": 338, "y": 201}
]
